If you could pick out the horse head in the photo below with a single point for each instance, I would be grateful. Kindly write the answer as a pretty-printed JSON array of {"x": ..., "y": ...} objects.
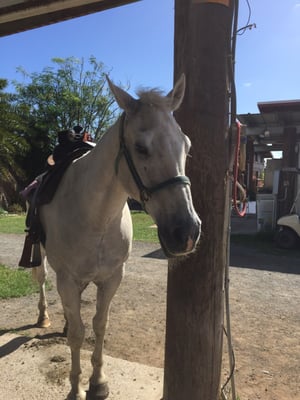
[{"x": 151, "y": 164}]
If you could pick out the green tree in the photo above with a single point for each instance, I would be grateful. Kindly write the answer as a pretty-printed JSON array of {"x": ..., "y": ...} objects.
[
  {"x": 13, "y": 147},
  {"x": 65, "y": 95},
  {"x": 68, "y": 93}
]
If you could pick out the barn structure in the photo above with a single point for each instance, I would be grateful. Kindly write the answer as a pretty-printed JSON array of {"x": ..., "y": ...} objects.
[{"x": 274, "y": 182}]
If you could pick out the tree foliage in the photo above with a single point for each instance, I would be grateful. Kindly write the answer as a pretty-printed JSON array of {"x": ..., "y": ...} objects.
[
  {"x": 12, "y": 145},
  {"x": 67, "y": 94},
  {"x": 70, "y": 92}
]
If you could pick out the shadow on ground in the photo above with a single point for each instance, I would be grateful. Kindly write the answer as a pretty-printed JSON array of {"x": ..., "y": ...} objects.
[
  {"x": 249, "y": 249},
  {"x": 285, "y": 261},
  {"x": 13, "y": 345}
]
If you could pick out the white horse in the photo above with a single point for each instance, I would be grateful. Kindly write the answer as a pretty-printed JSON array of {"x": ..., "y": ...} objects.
[
  {"x": 88, "y": 225},
  {"x": 39, "y": 274}
]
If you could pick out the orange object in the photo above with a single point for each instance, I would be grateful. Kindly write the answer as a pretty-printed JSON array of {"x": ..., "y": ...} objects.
[{"x": 87, "y": 137}]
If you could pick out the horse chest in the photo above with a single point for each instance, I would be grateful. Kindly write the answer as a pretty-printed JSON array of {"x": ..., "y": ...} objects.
[{"x": 91, "y": 260}]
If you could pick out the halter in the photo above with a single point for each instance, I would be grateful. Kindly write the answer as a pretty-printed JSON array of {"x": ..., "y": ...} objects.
[{"x": 145, "y": 192}]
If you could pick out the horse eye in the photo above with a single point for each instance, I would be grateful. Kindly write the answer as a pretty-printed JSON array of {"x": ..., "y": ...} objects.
[{"x": 141, "y": 149}]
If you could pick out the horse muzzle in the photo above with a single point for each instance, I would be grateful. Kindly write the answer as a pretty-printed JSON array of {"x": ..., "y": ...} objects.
[{"x": 179, "y": 238}]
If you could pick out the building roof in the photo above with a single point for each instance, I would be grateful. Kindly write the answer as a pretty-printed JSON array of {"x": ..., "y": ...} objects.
[
  {"x": 267, "y": 127},
  {"x": 21, "y": 15}
]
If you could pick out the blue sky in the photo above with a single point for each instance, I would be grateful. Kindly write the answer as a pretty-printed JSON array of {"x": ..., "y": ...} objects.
[{"x": 135, "y": 42}]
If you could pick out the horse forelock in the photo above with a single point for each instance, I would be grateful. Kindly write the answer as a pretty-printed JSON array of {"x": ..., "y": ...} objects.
[{"x": 154, "y": 97}]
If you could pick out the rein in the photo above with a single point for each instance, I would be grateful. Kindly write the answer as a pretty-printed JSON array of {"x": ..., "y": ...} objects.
[{"x": 145, "y": 192}]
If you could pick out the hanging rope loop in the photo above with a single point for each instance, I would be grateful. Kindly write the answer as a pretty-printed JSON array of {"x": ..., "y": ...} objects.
[{"x": 237, "y": 186}]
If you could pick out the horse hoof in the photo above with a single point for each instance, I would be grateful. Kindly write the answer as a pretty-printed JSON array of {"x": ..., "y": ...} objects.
[
  {"x": 98, "y": 392},
  {"x": 43, "y": 323},
  {"x": 76, "y": 396},
  {"x": 65, "y": 330}
]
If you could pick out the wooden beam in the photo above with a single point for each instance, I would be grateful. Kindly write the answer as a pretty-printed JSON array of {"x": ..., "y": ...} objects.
[
  {"x": 194, "y": 331},
  {"x": 16, "y": 16}
]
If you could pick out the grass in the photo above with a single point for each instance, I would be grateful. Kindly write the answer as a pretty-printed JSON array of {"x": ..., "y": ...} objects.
[
  {"x": 12, "y": 223},
  {"x": 16, "y": 283},
  {"x": 143, "y": 229}
]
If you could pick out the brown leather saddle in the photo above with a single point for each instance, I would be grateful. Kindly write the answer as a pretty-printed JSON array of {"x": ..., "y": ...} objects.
[{"x": 43, "y": 194}]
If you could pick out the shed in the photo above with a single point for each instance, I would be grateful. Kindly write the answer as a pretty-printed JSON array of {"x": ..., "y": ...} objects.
[{"x": 275, "y": 128}]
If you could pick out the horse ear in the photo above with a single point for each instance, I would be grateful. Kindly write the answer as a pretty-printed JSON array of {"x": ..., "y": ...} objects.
[
  {"x": 176, "y": 95},
  {"x": 124, "y": 100}
]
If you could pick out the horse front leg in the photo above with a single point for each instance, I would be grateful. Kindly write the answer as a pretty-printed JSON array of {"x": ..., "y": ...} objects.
[
  {"x": 39, "y": 274},
  {"x": 70, "y": 294},
  {"x": 98, "y": 388}
]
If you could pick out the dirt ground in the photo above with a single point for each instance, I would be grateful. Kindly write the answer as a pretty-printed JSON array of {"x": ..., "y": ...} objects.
[{"x": 265, "y": 319}]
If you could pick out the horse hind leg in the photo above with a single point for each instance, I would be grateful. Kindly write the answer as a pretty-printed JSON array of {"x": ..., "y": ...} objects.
[
  {"x": 39, "y": 274},
  {"x": 98, "y": 388}
]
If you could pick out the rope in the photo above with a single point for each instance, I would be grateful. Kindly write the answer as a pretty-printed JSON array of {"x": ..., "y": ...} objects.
[
  {"x": 235, "y": 127},
  {"x": 236, "y": 184},
  {"x": 232, "y": 91}
]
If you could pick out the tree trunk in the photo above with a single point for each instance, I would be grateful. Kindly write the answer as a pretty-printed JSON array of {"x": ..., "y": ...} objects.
[{"x": 195, "y": 304}]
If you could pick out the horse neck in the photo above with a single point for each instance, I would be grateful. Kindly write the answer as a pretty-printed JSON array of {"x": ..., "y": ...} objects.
[{"x": 98, "y": 177}]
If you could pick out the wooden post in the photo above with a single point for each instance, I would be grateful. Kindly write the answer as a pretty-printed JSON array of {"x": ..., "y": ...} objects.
[
  {"x": 194, "y": 331},
  {"x": 288, "y": 179}
]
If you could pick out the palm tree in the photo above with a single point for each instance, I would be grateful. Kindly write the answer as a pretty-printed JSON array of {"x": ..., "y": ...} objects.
[{"x": 12, "y": 146}]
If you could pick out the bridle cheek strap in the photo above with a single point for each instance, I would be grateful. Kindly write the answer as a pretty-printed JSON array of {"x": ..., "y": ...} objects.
[{"x": 145, "y": 192}]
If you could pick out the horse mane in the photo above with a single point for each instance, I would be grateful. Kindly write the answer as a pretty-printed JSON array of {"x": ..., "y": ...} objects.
[{"x": 154, "y": 97}]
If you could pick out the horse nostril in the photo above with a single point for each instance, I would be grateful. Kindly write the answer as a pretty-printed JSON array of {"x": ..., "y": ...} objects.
[
  {"x": 180, "y": 235},
  {"x": 181, "y": 238}
]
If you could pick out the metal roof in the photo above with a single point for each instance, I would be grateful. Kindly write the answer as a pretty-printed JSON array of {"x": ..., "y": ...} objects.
[
  {"x": 267, "y": 127},
  {"x": 21, "y": 15}
]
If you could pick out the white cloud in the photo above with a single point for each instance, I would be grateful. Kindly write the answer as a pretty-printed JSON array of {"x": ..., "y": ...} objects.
[{"x": 247, "y": 84}]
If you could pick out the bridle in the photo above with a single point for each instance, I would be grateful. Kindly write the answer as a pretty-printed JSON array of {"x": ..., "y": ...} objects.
[{"x": 145, "y": 192}]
